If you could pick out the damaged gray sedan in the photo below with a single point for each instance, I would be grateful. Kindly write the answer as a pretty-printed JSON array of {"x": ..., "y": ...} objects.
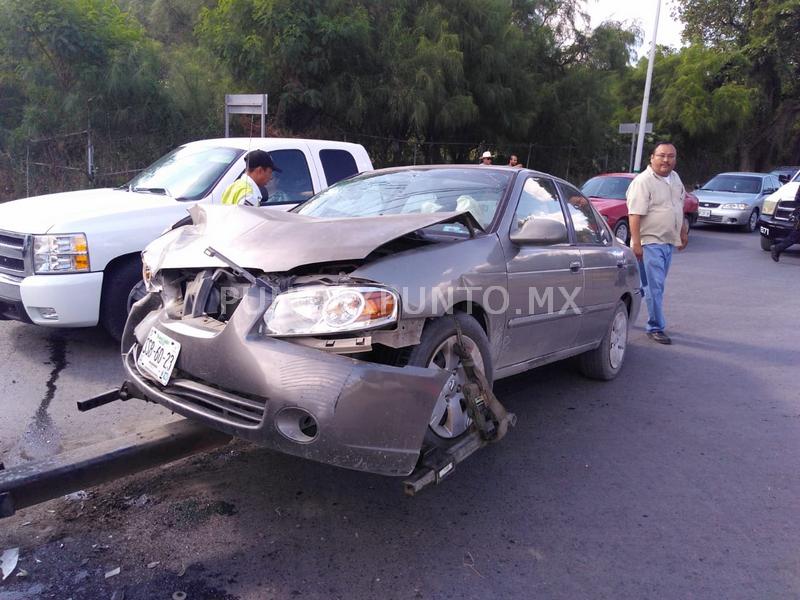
[{"x": 364, "y": 329}]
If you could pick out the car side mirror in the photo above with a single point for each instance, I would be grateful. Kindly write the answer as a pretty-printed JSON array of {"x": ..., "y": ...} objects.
[{"x": 540, "y": 230}]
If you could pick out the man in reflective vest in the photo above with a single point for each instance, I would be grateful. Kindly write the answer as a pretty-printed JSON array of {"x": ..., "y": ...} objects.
[{"x": 246, "y": 191}]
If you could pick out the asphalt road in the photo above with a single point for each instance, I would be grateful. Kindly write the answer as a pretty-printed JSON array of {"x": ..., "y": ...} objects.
[{"x": 676, "y": 480}]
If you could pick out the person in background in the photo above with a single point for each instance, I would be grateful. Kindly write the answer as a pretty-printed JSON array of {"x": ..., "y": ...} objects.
[
  {"x": 486, "y": 158},
  {"x": 247, "y": 190},
  {"x": 794, "y": 234},
  {"x": 513, "y": 161},
  {"x": 655, "y": 215}
]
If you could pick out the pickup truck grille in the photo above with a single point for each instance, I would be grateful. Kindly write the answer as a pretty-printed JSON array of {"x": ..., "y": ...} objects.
[
  {"x": 784, "y": 209},
  {"x": 12, "y": 253}
]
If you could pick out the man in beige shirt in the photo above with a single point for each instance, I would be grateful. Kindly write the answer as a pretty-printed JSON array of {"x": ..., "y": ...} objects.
[{"x": 655, "y": 214}]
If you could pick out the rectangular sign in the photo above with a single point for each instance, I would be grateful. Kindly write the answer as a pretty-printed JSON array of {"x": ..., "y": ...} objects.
[{"x": 634, "y": 128}]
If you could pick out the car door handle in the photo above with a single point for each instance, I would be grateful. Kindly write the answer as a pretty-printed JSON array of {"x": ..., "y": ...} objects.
[{"x": 575, "y": 266}]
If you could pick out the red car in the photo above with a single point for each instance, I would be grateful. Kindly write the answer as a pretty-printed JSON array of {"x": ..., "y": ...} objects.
[{"x": 607, "y": 193}]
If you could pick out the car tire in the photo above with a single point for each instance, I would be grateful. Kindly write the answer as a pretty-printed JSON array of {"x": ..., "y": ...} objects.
[
  {"x": 118, "y": 286},
  {"x": 623, "y": 231},
  {"x": 766, "y": 243},
  {"x": 449, "y": 419},
  {"x": 605, "y": 361},
  {"x": 752, "y": 221}
]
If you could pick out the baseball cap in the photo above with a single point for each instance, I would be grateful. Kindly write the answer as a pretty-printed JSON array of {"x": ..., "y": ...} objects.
[{"x": 259, "y": 158}]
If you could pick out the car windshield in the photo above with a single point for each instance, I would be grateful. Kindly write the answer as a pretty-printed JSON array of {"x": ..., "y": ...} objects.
[
  {"x": 186, "y": 173},
  {"x": 607, "y": 187},
  {"x": 411, "y": 191},
  {"x": 739, "y": 184}
]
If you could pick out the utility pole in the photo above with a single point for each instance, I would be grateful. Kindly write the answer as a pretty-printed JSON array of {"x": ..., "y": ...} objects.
[{"x": 646, "y": 100}]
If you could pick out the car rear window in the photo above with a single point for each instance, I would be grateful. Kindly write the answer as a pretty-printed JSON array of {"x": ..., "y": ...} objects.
[
  {"x": 607, "y": 187},
  {"x": 337, "y": 165}
]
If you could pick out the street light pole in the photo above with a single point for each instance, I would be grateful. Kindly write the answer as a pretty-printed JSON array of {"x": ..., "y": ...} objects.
[{"x": 646, "y": 100}]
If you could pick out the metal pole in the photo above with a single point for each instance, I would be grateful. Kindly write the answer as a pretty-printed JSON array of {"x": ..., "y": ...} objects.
[
  {"x": 646, "y": 99},
  {"x": 633, "y": 147}
]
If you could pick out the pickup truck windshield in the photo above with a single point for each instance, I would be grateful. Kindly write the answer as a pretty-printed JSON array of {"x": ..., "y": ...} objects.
[{"x": 186, "y": 173}]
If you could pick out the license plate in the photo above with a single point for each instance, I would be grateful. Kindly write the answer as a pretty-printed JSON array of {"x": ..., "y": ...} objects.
[
  {"x": 764, "y": 231},
  {"x": 704, "y": 212},
  {"x": 158, "y": 356}
]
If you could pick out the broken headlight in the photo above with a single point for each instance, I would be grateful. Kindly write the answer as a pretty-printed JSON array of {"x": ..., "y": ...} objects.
[{"x": 315, "y": 310}]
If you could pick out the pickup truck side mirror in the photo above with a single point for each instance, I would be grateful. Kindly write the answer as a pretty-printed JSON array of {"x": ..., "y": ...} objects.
[{"x": 540, "y": 230}]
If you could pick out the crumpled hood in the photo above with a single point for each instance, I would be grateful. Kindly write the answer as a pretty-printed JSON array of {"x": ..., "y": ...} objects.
[
  {"x": 38, "y": 214},
  {"x": 276, "y": 242},
  {"x": 724, "y": 197}
]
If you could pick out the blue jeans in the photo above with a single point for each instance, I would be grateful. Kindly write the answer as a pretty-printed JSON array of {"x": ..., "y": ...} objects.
[{"x": 653, "y": 269}]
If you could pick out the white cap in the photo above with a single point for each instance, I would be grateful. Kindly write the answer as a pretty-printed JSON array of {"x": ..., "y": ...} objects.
[{"x": 486, "y": 154}]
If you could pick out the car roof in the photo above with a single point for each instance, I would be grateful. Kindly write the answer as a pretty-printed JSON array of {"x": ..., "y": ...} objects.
[
  {"x": 625, "y": 175},
  {"x": 744, "y": 173}
]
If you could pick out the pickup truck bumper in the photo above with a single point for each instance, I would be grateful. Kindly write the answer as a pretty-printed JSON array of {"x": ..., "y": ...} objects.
[
  {"x": 773, "y": 229},
  {"x": 71, "y": 300}
]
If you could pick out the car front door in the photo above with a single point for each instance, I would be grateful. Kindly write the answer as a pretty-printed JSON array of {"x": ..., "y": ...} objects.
[
  {"x": 604, "y": 265},
  {"x": 545, "y": 282}
]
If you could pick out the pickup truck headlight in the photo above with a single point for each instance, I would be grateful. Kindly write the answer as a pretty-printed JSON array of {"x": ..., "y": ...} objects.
[
  {"x": 315, "y": 310},
  {"x": 736, "y": 206},
  {"x": 65, "y": 253}
]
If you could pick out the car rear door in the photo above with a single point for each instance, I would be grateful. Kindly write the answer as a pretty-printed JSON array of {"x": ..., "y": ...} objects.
[
  {"x": 545, "y": 282},
  {"x": 604, "y": 265}
]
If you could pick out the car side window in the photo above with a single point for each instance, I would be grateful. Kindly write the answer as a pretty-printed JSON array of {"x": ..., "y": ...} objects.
[
  {"x": 538, "y": 200},
  {"x": 588, "y": 228},
  {"x": 293, "y": 183},
  {"x": 337, "y": 165}
]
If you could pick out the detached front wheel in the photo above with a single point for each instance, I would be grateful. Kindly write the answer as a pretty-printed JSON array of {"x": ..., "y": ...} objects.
[{"x": 450, "y": 418}]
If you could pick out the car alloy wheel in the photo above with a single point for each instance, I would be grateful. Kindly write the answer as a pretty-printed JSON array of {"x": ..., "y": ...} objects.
[
  {"x": 618, "y": 339},
  {"x": 752, "y": 221},
  {"x": 450, "y": 417},
  {"x": 621, "y": 231}
]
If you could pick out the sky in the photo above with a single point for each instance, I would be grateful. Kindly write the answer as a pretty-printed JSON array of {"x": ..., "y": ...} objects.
[{"x": 643, "y": 11}]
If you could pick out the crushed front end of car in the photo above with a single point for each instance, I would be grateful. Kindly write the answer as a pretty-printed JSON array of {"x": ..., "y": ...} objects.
[{"x": 278, "y": 348}]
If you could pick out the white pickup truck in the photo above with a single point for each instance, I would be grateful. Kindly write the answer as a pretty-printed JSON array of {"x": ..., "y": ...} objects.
[{"x": 72, "y": 259}]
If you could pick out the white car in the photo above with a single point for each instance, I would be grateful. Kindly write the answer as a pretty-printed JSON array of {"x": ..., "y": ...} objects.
[{"x": 72, "y": 259}]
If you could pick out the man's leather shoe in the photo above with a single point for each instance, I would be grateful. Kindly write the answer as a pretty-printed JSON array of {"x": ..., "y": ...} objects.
[
  {"x": 659, "y": 336},
  {"x": 773, "y": 252}
]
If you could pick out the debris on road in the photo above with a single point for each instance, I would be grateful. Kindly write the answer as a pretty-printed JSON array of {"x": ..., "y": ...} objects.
[
  {"x": 113, "y": 572},
  {"x": 8, "y": 561}
]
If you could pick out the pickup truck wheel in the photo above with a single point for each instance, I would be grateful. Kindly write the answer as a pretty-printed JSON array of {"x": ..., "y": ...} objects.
[
  {"x": 766, "y": 243},
  {"x": 436, "y": 349},
  {"x": 605, "y": 361},
  {"x": 118, "y": 285}
]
